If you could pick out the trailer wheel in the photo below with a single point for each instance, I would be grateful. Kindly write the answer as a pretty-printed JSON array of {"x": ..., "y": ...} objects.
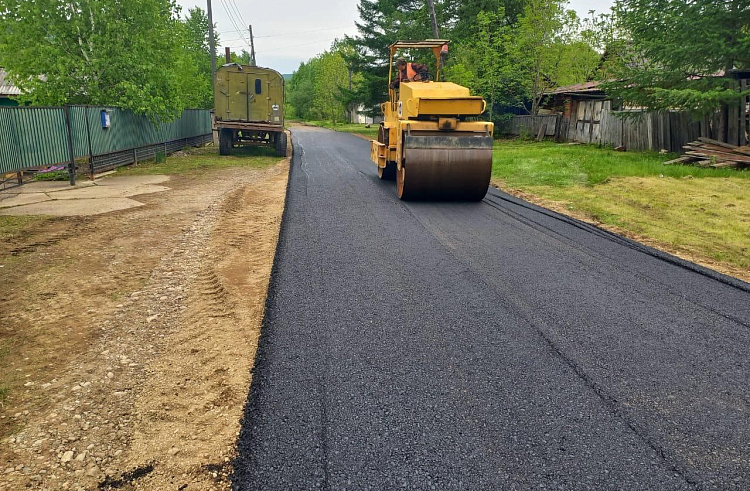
[
  {"x": 281, "y": 144},
  {"x": 225, "y": 141}
]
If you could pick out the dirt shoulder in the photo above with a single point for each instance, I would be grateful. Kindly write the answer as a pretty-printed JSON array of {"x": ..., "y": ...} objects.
[{"x": 127, "y": 338}]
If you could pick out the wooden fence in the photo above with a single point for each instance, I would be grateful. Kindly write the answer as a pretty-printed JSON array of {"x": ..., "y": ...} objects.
[
  {"x": 531, "y": 125},
  {"x": 595, "y": 122}
]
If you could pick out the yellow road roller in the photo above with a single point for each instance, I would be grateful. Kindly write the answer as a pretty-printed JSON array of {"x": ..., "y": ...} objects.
[{"x": 433, "y": 142}]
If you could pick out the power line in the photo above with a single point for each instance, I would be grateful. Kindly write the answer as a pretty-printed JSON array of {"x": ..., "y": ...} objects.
[
  {"x": 289, "y": 33},
  {"x": 304, "y": 32},
  {"x": 296, "y": 32},
  {"x": 231, "y": 19},
  {"x": 236, "y": 9},
  {"x": 298, "y": 45}
]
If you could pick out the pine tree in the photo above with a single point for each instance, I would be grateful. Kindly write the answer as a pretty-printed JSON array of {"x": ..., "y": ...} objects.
[{"x": 677, "y": 54}]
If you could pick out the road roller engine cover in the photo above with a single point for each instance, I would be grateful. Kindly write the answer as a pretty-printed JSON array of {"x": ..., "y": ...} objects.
[{"x": 430, "y": 141}]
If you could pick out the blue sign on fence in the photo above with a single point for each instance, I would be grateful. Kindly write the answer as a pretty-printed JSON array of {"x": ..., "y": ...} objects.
[{"x": 105, "y": 119}]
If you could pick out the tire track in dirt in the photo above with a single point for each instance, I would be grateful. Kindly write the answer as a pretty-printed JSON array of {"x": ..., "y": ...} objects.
[
  {"x": 159, "y": 395},
  {"x": 196, "y": 395}
]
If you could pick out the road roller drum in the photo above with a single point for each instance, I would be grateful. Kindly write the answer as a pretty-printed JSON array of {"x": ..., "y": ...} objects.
[{"x": 445, "y": 167}]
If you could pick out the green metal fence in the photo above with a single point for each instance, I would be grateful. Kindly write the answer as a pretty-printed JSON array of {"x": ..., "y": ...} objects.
[{"x": 37, "y": 136}]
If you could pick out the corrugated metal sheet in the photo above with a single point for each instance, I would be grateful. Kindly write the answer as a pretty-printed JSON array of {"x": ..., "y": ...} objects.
[
  {"x": 33, "y": 137},
  {"x": 6, "y": 87}
]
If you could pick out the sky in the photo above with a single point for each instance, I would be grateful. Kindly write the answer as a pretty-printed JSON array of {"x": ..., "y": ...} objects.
[{"x": 288, "y": 32}]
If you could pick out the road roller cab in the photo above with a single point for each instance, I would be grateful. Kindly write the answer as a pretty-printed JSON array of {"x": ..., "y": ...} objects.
[{"x": 430, "y": 141}]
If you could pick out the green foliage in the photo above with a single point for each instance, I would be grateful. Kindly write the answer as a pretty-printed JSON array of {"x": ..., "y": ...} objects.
[
  {"x": 549, "y": 49},
  {"x": 195, "y": 73},
  {"x": 59, "y": 175},
  {"x": 384, "y": 22},
  {"x": 244, "y": 58},
  {"x": 202, "y": 161},
  {"x": 508, "y": 51},
  {"x": 485, "y": 66},
  {"x": 317, "y": 89},
  {"x": 135, "y": 54},
  {"x": 673, "y": 54}
]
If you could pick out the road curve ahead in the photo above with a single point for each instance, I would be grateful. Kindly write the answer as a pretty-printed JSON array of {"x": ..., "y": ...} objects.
[{"x": 484, "y": 346}]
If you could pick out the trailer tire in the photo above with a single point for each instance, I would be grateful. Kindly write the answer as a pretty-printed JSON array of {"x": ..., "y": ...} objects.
[
  {"x": 225, "y": 141},
  {"x": 281, "y": 144}
]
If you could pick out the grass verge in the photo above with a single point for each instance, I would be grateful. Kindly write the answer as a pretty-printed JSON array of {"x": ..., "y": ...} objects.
[
  {"x": 14, "y": 226},
  {"x": 700, "y": 214},
  {"x": 203, "y": 159},
  {"x": 358, "y": 129}
]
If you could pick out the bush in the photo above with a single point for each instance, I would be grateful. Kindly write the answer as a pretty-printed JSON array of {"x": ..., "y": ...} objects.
[{"x": 59, "y": 175}]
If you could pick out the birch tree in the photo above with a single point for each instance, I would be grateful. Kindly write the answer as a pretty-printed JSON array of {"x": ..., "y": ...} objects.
[{"x": 127, "y": 53}]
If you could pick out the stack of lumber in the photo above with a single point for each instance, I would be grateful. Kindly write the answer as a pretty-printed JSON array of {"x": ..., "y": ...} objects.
[{"x": 712, "y": 153}]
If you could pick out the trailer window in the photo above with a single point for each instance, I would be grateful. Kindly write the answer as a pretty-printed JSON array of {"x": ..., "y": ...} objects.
[{"x": 258, "y": 86}]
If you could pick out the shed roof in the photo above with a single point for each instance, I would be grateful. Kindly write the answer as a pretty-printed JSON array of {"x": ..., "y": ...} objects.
[
  {"x": 585, "y": 87},
  {"x": 7, "y": 88}
]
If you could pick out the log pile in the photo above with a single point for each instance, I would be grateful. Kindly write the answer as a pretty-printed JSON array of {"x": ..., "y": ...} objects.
[{"x": 706, "y": 152}]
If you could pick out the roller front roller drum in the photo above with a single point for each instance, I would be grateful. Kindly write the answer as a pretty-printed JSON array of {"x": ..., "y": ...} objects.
[{"x": 445, "y": 167}]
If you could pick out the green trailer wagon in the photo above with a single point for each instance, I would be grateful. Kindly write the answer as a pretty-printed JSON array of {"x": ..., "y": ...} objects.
[{"x": 249, "y": 107}]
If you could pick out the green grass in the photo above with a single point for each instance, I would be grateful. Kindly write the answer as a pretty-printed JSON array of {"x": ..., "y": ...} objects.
[
  {"x": 371, "y": 132},
  {"x": 701, "y": 214},
  {"x": 12, "y": 226},
  {"x": 60, "y": 175},
  {"x": 204, "y": 159},
  {"x": 521, "y": 163}
]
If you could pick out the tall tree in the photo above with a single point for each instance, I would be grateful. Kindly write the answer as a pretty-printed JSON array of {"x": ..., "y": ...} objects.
[
  {"x": 318, "y": 88},
  {"x": 196, "y": 74},
  {"x": 463, "y": 15},
  {"x": 115, "y": 52},
  {"x": 383, "y": 23},
  {"x": 485, "y": 64},
  {"x": 549, "y": 49},
  {"x": 243, "y": 58},
  {"x": 677, "y": 54}
]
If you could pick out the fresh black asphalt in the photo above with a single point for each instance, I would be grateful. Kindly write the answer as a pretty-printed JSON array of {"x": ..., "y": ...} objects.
[{"x": 483, "y": 346}]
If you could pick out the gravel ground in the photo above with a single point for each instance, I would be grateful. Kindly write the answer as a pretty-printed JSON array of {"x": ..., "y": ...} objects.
[
  {"x": 491, "y": 345},
  {"x": 137, "y": 364}
]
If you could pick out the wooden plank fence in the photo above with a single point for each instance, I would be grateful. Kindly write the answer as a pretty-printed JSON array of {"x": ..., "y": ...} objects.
[
  {"x": 531, "y": 125},
  {"x": 595, "y": 122}
]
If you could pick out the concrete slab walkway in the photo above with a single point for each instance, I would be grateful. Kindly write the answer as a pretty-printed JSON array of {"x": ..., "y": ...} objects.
[{"x": 85, "y": 198}]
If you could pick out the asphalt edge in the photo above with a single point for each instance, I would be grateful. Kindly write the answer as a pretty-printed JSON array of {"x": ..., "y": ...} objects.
[
  {"x": 633, "y": 244},
  {"x": 240, "y": 459}
]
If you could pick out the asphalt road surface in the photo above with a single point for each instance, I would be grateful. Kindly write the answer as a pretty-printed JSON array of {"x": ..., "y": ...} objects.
[{"x": 491, "y": 345}]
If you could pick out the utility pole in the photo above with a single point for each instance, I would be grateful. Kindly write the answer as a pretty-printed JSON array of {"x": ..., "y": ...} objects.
[
  {"x": 431, "y": 5},
  {"x": 252, "y": 47},
  {"x": 211, "y": 42}
]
